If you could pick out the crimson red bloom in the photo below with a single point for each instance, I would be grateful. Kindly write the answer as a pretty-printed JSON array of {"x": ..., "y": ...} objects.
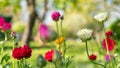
[
  {"x": 13, "y": 33},
  {"x": 109, "y": 33},
  {"x": 92, "y": 57},
  {"x": 21, "y": 52},
  {"x": 50, "y": 55},
  {"x": 26, "y": 51},
  {"x": 55, "y": 16},
  {"x": 16, "y": 53},
  {"x": 110, "y": 42}
]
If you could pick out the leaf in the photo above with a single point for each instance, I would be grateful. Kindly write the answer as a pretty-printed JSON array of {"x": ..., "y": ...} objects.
[{"x": 5, "y": 58}]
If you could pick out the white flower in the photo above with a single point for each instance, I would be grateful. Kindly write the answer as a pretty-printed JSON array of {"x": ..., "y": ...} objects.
[
  {"x": 101, "y": 16},
  {"x": 85, "y": 34}
]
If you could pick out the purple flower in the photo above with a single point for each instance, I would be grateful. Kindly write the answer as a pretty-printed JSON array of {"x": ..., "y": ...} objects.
[
  {"x": 108, "y": 57},
  {"x": 55, "y": 16}
]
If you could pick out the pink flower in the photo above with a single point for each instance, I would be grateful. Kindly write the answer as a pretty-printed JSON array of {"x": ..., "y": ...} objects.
[
  {"x": 108, "y": 57},
  {"x": 44, "y": 31},
  {"x": 4, "y": 25},
  {"x": 110, "y": 42},
  {"x": 46, "y": 34},
  {"x": 2, "y": 20},
  {"x": 55, "y": 16},
  {"x": 109, "y": 33},
  {"x": 7, "y": 26},
  {"x": 92, "y": 57},
  {"x": 13, "y": 33}
]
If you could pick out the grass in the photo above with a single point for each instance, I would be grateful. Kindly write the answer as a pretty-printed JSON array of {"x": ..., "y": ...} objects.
[{"x": 76, "y": 49}]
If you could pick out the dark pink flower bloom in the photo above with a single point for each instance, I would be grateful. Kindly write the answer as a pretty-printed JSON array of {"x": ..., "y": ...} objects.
[
  {"x": 4, "y": 25},
  {"x": 108, "y": 57},
  {"x": 2, "y": 21},
  {"x": 55, "y": 16},
  {"x": 46, "y": 34},
  {"x": 109, "y": 33},
  {"x": 44, "y": 31},
  {"x": 110, "y": 42},
  {"x": 7, "y": 26}
]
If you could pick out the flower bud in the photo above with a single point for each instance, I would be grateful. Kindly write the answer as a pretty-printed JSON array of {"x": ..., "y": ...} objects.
[
  {"x": 41, "y": 62},
  {"x": 56, "y": 56}
]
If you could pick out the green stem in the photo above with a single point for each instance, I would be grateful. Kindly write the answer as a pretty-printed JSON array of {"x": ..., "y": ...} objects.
[
  {"x": 64, "y": 51},
  {"x": 13, "y": 64},
  {"x": 57, "y": 29},
  {"x": 92, "y": 61},
  {"x": 61, "y": 27}
]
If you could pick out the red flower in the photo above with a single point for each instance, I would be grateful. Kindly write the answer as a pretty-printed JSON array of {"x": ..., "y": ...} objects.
[
  {"x": 26, "y": 51},
  {"x": 92, "y": 57},
  {"x": 21, "y": 52},
  {"x": 55, "y": 16},
  {"x": 49, "y": 55},
  {"x": 110, "y": 42},
  {"x": 109, "y": 33},
  {"x": 53, "y": 55},
  {"x": 16, "y": 53}
]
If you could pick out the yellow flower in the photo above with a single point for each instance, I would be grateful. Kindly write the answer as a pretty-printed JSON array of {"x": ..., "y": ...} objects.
[{"x": 60, "y": 40}]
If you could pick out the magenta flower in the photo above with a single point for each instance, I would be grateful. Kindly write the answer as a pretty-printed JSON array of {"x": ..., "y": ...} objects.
[
  {"x": 45, "y": 33},
  {"x": 4, "y": 25},
  {"x": 1, "y": 22},
  {"x": 55, "y": 16},
  {"x": 108, "y": 57}
]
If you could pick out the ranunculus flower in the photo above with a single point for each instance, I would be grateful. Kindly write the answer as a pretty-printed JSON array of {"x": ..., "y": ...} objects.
[
  {"x": 101, "y": 16},
  {"x": 22, "y": 52},
  {"x": 53, "y": 55},
  {"x": 85, "y": 34},
  {"x": 92, "y": 57},
  {"x": 60, "y": 40},
  {"x": 16, "y": 53},
  {"x": 26, "y": 51},
  {"x": 4, "y": 25},
  {"x": 1, "y": 22},
  {"x": 108, "y": 57},
  {"x": 109, "y": 33},
  {"x": 7, "y": 26},
  {"x": 46, "y": 34},
  {"x": 55, "y": 16},
  {"x": 110, "y": 42}
]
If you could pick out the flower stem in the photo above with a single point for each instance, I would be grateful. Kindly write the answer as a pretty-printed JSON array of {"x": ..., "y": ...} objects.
[
  {"x": 57, "y": 29},
  {"x": 92, "y": 61}
]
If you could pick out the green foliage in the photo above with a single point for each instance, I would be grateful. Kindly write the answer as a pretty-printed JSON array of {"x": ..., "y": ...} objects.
[
  {"x": 115, "y": 27},
  {"x": 13, "y": 3}
]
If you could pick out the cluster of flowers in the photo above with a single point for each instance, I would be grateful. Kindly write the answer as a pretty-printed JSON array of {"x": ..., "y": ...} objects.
[
  {"x": 4, "y": 25},
  {"x": 108, "y": 43},
  {"x": 22, "y": 52}
]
